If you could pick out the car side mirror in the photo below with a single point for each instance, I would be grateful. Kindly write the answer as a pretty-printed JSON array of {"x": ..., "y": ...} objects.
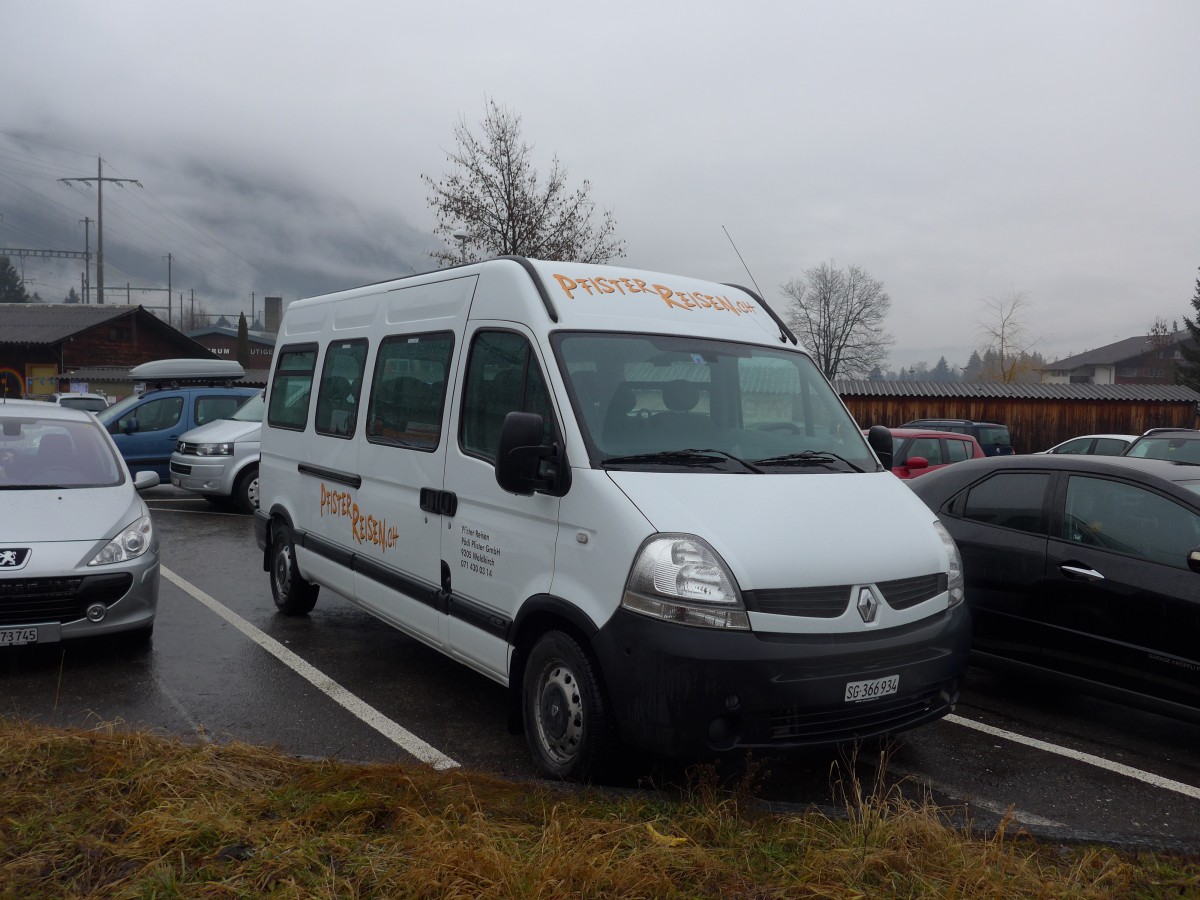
[
  {"x": 879, "y": 439},
  {"x": 145, "y": 480},
  {"x": 131, "y": 425},
  {"x": 1193, "y": 559},
  {"x": 917, "y": 462},
  {"x": 520, "y": 456}
]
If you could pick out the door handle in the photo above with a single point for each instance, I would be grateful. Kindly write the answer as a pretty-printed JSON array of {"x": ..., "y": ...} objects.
[{"x": 1076, "y": 570}]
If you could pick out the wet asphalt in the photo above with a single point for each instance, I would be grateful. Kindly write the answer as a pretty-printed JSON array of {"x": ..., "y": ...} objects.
[{"x": 1055, "y": 763}]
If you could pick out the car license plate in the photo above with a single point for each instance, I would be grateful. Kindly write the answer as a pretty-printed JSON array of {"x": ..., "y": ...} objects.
[
  {"x": 15, "y": 637},
  {"x": 857, "y": 691}
]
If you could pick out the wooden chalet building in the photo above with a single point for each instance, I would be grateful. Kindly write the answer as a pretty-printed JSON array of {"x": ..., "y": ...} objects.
[
  {"x": 48, "y": 347},
  {"x": 1038, "y": 416}
]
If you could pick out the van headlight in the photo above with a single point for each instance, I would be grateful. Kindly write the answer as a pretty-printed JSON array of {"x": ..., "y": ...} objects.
[
  {"x": 214, "y": 449},
  {"x": 955, "y": 585},
  {"x": 680, "y": 578},
  {"x": 131, "y": 543}
]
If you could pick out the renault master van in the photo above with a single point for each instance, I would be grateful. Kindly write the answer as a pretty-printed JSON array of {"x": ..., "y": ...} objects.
[{"x": 630, "y": 497}]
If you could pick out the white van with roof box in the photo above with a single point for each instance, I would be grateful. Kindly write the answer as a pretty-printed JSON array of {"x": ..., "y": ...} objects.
[{"x": 630, "y": 497}]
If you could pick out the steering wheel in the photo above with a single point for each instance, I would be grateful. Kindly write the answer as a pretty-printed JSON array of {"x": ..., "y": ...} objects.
[{"x": 790, "y": 427}]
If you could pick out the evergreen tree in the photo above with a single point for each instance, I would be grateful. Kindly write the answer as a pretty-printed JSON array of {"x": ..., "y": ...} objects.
[
  {"x": 973, "y": 370},
  {"x": 72, "y": 297},
  {"x": 243, "y": 342},
  {"x": 12, "y": 288},
  {"x": 1187, "y": 371},
  {"x": 941, "y": 372}
]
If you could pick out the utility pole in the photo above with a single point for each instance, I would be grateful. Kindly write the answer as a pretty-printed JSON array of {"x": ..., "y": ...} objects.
[
  {"x": 87, "y": 257},
  {"x": 252, "y": 309},
  {"x": 100, "y": 179},
  {"x": 168, "y": 259}
]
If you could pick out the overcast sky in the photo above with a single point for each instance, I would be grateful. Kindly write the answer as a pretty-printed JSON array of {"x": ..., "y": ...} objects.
[{"x": 957, "y": 151}]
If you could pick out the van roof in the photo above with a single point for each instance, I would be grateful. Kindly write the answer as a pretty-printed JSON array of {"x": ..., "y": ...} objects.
[{"x": 583, "y": 296}]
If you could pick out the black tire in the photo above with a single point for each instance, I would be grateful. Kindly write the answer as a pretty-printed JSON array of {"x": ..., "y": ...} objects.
[
  {"x": 293, "y": 595},
  {"x": 568, "y": 723},
  {"x": 245, "y": 491}
]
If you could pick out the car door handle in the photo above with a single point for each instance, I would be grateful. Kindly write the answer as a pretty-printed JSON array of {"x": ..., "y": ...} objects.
[{"x": 1075, "y": 570}]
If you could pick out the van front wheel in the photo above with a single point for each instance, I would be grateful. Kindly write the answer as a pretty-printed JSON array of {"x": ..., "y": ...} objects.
[
  {"x": 567, "y": 720},
  {"x": 293, "y": 595}
]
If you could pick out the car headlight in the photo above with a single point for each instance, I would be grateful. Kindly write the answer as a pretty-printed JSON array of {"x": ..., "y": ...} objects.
[
  {"x": 955, "y": 585},
  {"x": 680, "y": 578},
  {"x": 214, "y": 449},
  {"x": 131, "y": 543}
]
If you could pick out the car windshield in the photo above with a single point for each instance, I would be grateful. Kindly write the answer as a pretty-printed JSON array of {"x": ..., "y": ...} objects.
[
  {"x": 1173, "y": 448},
  {"x": 252, "y": 410},
  {"x": 649, "y": 401},
  {"x": 53, "y": 453}
]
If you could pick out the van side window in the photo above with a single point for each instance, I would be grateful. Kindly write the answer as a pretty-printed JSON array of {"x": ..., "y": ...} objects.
[
  {"x": 155, "y": 415},
  {"x": 408, "y": 391},
  {"x": 341, "y": 383},
  {"x": 502, "y": 377},
  {"x": 291, "y": 387}
]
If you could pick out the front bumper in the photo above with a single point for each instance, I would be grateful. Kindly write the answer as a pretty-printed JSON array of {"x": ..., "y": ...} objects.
[
  {"x": 677, "y": 689},
  {"x": 202, "y": 475},
  {"x": 53, "y": 598}
]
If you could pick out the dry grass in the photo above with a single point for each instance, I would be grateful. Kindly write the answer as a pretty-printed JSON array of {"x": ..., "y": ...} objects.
[{"x": 107, "y": 813}]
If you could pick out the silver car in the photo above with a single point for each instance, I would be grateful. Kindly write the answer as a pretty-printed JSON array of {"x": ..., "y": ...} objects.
[
  {"x": 219, "y": 460},
  {"x": 78, "y": 551}
]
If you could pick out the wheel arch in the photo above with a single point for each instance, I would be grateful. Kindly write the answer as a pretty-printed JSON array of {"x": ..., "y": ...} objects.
[{"x": 539, "y": 614}]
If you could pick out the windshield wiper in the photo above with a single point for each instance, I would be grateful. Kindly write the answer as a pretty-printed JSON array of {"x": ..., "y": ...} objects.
[
  {"x": 808, "y": 458},
  {"x": 689, "y": 457}
]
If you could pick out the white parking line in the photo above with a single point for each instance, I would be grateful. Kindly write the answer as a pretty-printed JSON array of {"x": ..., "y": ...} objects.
[
  {"x": 1099, "y": 762},
  {"x": 407, "y": 741}
]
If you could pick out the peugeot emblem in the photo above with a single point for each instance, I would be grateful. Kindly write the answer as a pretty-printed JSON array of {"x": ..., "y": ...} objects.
[
  {"x": 13, "y": 557},
  {"x": 867, "y": 605}
]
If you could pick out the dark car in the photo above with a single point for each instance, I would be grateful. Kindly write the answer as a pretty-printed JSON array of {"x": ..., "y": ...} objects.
[
  {"x": 992, "y": 436},
  {"x": 1085, "y": 569},
  {"x": 1175, "y": 444}
]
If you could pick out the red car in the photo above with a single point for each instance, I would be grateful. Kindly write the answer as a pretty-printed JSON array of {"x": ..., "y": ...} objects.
[{"x": 916, "y": 451}]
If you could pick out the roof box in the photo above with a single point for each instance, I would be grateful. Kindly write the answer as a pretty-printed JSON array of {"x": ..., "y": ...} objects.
[{"x": 188, "y": 370}]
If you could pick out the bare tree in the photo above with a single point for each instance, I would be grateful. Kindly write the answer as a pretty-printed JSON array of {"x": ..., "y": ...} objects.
[
  {"x": 839, "y": 314},
  {"x": 1005, "y": 335},
  {"x": 494, "y": 194}
]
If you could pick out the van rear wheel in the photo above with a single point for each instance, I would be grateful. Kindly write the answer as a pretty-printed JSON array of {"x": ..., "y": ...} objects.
[
  {"x": 567, "y": 719},
  {"x": 293, "y": 595}
]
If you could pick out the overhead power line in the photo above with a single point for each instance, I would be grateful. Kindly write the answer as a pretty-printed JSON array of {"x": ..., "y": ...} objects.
[{"x": 100, "y": 179}]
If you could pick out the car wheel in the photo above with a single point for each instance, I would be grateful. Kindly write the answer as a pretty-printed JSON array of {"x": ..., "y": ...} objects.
[
  {"x": 293, "y": 595},
  {"x": 245, "y": 491},
  {"x": 567, "y": 720}
]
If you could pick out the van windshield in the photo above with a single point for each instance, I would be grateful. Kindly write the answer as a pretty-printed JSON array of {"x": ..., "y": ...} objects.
[{"x": 651, "y": 401}]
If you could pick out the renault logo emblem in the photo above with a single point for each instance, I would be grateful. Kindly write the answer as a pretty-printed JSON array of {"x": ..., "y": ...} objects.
[{"x": 867, "y": 605}]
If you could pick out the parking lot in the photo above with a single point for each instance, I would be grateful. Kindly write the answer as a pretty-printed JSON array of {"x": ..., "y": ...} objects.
[{"x": 223, "y": 665}]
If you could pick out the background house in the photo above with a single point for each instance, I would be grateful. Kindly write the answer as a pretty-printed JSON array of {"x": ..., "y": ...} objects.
[
  {"x": 45, "y": 347},
  {"x": 1146, "y": 359},
  {"x": 1038, "y": 416}
]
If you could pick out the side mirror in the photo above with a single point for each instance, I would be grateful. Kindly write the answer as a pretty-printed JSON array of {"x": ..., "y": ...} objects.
[
  {"x": 145, "y": 480},
  {"x": 521, "y": 453},
  {"x": 879, "y": 439},
  {"x": 131, "y": 425},
  {"x": 1193, "y": 559},
  {"x": 917, "y": 462}
]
